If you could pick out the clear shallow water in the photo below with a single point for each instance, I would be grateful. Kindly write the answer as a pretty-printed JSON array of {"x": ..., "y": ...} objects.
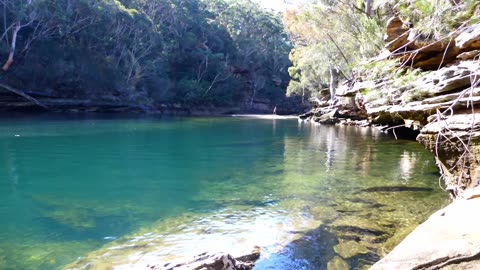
[{"x": 128, "y": 192}]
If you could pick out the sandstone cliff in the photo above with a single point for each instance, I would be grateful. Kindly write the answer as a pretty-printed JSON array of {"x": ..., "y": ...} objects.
[{"x": 432, "y": 87}]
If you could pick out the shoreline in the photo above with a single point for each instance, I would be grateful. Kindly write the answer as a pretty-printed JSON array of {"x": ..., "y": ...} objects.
[
  {"x": 265, "y": 116},
  {"x": 270, "y": 117}
]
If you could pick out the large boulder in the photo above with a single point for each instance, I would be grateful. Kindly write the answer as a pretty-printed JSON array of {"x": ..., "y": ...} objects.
[
  {"x": 449, "y": 239},
  {"x": 469, "y": 38}
]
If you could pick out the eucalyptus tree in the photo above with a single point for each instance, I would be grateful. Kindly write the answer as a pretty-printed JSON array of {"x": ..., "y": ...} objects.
[
  {"x": 260, "y": 42},
  {"x": 331, "y": 37},
  {"x": 145, "y": 52}
]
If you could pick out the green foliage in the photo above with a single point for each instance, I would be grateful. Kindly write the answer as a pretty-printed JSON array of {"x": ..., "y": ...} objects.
[
  {"x": 327, "y": 35},
  {"x": 436, "y": 18},
  {"x": 378, "y": 70},
  {"x": 416, "y": 95},
  {"x": 146, "y": 52},
  {"x": 389, "y": 82},
  {"x": 340, "y": 34}
]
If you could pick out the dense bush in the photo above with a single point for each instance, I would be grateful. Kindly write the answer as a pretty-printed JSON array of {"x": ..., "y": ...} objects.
[
  {"x": 219, "y": 52},
  {"x": 346, "y": 35}
]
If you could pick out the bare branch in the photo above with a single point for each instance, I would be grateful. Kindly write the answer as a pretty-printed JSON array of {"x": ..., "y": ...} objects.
[{"x": 21, "y": 93}]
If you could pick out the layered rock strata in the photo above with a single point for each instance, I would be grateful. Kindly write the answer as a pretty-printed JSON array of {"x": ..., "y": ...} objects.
[
  {"x": 438, "y": 95},
  {"x": 439, "y": 100}
]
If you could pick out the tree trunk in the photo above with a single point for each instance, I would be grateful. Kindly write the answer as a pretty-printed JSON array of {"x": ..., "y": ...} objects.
[
  {"x": 9, "y": 62},
  {"x": 333, "y": 82},
  {"x": 303, "y": 94},
  {"x": 368, "y": 7}
]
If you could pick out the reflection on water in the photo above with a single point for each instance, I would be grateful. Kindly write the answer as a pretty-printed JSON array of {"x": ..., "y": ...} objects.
[
  {"x": 128, "y": 193},
  {"x": 407, "y": 165}
]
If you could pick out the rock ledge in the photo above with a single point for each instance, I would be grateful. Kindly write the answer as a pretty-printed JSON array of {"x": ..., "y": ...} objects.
[{"x": 449, "y": 239}]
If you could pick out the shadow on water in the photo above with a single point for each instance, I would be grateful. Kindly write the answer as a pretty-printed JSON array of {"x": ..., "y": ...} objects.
[
  {"x": 331, "y": 246},
  {"x": 356, "y": 230},
  {"x": 313, "y": 251},
  {"x": 396, "y": 189},
  {"x": 312, "y": 197},
  {"x": 317, "y": 250}
]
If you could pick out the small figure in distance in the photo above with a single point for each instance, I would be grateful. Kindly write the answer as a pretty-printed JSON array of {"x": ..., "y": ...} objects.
[{"x": 275, "y": 110}]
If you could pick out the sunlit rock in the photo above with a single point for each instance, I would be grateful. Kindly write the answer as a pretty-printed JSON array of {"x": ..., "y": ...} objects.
[
  {"x": 469, "y": 39},
  {"x": 449, "y": 239},
  {"x": 455, "y": 141}
]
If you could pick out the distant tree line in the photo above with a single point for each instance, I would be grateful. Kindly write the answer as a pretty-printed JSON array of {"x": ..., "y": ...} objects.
[{"x": 190, "y": 52}]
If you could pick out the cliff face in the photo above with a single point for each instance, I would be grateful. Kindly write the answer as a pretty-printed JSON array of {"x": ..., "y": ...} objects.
[
  {"x": 441, "y": 103},
  {"x": 434, "y": 90},
  {"x": 431, "y": 87}
]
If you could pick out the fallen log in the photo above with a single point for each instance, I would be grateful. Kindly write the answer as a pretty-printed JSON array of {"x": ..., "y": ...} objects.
[{"x": 23, "y": 94}]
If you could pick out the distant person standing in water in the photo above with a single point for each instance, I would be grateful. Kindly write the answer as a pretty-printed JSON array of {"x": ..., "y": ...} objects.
[{"x": 275, "y": 110}]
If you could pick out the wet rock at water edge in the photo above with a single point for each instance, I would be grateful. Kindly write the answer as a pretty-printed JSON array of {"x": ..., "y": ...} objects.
[
  {"x": 328, "y": 118},
  {"x": 213, "y": 261}
]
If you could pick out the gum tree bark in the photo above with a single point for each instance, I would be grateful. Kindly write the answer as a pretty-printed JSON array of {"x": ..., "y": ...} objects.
[
  {"x": 9, "y": 61},
  {"x": 333, "y": 82}
]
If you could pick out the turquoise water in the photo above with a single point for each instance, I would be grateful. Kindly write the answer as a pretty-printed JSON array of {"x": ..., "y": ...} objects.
[{"x": 132, "y": 191}]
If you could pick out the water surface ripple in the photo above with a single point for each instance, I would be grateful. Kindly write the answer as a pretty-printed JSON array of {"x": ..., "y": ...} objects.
[{"x": 127, "y": 192}]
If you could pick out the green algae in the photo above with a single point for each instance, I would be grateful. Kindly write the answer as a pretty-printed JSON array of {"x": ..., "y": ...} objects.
[
  {"x": 78, "y": 219},
  {"x": 350, "y": 249},
  {"x": 338, "y": 263},
  {"x": 42, "y": 255}
]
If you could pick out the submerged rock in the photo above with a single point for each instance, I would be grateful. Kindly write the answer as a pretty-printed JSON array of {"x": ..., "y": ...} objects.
[
  {"x": 337, "y": 263},
  {"x": 349, "y": 249},
  {"x": 396, "y": 189},
  {"x": 216, "y": 261}
]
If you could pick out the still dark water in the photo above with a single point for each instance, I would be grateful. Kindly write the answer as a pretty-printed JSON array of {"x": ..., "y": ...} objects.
[{"x": 127, "y": 192}]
